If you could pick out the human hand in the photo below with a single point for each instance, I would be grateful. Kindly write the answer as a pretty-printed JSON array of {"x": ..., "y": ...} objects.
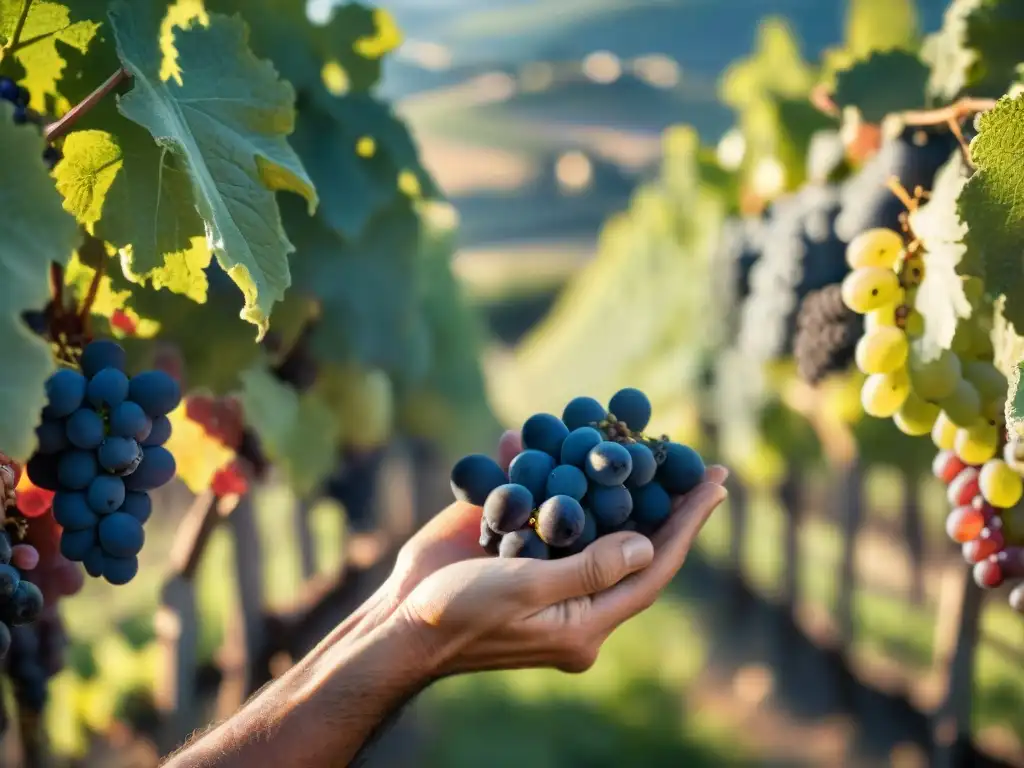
[{"x": 474, "y": 612}]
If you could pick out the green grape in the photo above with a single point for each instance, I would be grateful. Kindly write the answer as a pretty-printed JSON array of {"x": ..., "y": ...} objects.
[
  {"x": 911, "y": 271},
  {"x": 991, "y": 386},
  {"x": 977, "y": 444},
  {"x": 936, "y": 379},
  {"x": 916, "y": 416},
  {"x": 878, "y": 247},
  {"x": 989, "y": 382},
  {"x": 1000, "y": 485},
  {"x": 881, "y": 350},
  {"x": 963, "y": 407},
  {"x": 882, "y": 394},
  {"x": 944, "y": 433},
  {"x": 869, "y": 288},
  {"x": 981, "y": 343},
  {"x": 913, "y": 324},
  {"x": 883, "y": 317}
]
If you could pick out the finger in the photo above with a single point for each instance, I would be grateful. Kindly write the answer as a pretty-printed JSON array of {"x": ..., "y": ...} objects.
[
  {"x": 716, "y": 474},
  {"x": 600, "y": 566},
  {"x": 458, "y": 521},
  {"x": 671, "y": 544},
  {"x": 509, "y": 446}
]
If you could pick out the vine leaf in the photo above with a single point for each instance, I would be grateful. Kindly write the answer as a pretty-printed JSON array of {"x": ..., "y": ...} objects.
[
  {"x": 299, "y": 432},
  {"x": 42, "y": 28},
  {"x": 992, "y": 205},
  {"x": 366, "y": 290},
  {"x": 224, "y": 125},
  {"x": 36, "y": 232},
  {"x": 977, "y": 50},
  {"x": 356, "y": 151},
  {"x": 905, "y": 77},
  {"x": 345, "y": 52},
  {"x": 940, "y": 297}
]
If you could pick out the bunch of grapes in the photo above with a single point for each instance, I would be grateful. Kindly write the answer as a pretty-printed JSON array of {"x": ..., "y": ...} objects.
[
  {"x": 826, "y": 334},
  {"x": 957, "y": 396},
  {"x": 101, "y": 450},
  {"x": 590, "y": 473},
  {"x": 19, "y": 96}
]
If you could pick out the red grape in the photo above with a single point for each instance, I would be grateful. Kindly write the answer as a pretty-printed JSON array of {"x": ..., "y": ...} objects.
[
  {"x": 67, "y": 578},
  {"x": 988, "y": 543},
  {"x": 964, "y": 487},
  {"x": 988, "y": 574},
  {"x": 965, "y": 524},
  {"x": 25, "y": 557},
  {"x": 1012, "y": 561},
  {"x": 947, "y": 465}
]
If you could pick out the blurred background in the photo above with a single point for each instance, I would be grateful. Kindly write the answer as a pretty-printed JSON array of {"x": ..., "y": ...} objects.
[{"x": 595, "y": 151}]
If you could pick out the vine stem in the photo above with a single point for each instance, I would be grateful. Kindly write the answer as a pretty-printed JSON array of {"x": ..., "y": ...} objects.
[
  {"x": 57, "y": 129},
  {"x": 950, "y": 116},
  {"x": 19, "y": 26}
]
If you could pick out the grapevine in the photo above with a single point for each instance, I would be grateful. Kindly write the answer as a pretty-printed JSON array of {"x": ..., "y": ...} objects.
[{"x": 186, "y": 281}]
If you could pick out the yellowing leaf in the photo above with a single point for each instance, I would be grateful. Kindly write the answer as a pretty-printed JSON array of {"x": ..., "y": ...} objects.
[
  {"x": 198, "y": 456},
  {"x": 224, "y": 128}
]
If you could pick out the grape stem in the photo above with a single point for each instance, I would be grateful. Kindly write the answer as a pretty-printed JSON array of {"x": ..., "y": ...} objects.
[
  {"x": 57, "y": 129},
  {"x": 951, "y": 116}
]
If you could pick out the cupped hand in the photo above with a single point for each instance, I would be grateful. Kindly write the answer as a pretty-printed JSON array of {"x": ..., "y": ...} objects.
[{"x": 475, "y": 612}]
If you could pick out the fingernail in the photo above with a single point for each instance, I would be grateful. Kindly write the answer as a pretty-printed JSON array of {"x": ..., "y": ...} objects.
[{"x": 637, "y": 551}]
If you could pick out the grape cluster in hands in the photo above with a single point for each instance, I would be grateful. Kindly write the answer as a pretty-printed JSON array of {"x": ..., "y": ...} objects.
[
  {"x": 589, "y": 473},
  {"x": 957, "y": 396},
  {"x": 101, "y": 449}
]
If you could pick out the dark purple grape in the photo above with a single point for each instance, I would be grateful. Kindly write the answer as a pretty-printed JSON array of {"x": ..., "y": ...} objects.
[
  {"x": 524, "y": 543},
  {"x": 583, "y": 412},
  {"x": 508, "y": 508},
  {"x": 560, "y": 521},
  {"x": 474, "y": 477}
]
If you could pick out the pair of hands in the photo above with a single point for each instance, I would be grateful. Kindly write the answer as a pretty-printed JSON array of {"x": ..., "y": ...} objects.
[{"x": 473, "y": 612}]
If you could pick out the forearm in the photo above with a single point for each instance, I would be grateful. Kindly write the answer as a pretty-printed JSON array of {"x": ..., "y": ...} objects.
[{"x": 321, "y": 712}]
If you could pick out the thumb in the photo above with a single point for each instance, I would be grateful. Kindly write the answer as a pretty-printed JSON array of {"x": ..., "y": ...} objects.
[{"x": 600, "y": 566}]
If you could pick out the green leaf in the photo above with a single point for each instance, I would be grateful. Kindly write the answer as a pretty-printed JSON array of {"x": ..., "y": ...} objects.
[
  {"x": 449, "y": 404},
  {"x": 130, "y": 192},
  {"x": 36, "y": 232},
  {"x": 871, "y": 26},
  {"x": 978, "y": 49},
  {"x": 298, "y": 432},
  {"x": 345, "y": 53},
  {"x": 365, "y": 288},
  {"x": 882, "y": 84},
  {"x": 225, "y": 125},
  {"x": 37, "y": 33},
  {"x": 940, "y": 297},
  {"x": 215, "y": 344},
  {"x": 992, "y": 205},
  {"x": 356, "y": 151}
]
